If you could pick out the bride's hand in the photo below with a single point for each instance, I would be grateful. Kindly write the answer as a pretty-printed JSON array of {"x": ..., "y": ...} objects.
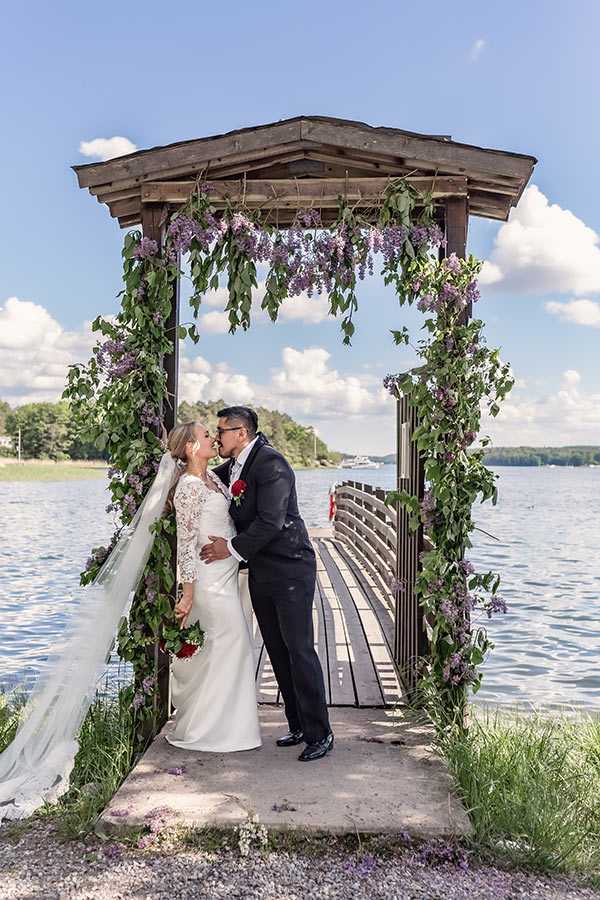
[{"x": 183, "y": 607}]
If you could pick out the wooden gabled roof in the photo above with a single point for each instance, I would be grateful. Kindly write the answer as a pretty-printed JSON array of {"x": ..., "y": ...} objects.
[{"x": 308, "y": 161}]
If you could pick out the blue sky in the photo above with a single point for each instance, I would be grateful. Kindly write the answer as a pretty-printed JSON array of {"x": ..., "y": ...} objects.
[{"x": 516, "y": 77}]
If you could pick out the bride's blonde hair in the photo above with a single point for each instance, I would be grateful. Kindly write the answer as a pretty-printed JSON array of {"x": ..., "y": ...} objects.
[{"x": 176, "y": 441}]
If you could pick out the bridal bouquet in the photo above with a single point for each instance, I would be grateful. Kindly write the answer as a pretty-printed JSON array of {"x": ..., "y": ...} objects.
[{"x": 181, "y": 642}]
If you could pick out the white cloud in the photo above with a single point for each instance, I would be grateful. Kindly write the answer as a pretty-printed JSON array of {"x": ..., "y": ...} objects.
[
  {"x": 542, "y": 248},
  {"x": 214, "y": 322},
  {"x": 301, "y": 309},
  {"x": 107, "y": 148},
  {"x": 35, "y": 352},
  {"x": 476, "y": 50},
  {"x": 569, "y": 416},
  {"x": 581, "y": 312}
]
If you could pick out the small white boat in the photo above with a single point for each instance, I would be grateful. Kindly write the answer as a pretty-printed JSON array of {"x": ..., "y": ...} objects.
[{"x": 359, "y": 462}]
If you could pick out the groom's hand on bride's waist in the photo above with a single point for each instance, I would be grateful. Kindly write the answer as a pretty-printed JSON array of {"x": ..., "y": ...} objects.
[{"x": 217, "y": 549}]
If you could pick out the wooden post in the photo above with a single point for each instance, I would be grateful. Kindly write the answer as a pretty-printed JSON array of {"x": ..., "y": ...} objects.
[
  {"x": 457, "y": 224},
  {"x": 154, "y": 218}
]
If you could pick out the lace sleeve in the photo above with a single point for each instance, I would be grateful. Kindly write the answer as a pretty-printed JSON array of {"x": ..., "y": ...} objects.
[{"x": 189, "y": 498}]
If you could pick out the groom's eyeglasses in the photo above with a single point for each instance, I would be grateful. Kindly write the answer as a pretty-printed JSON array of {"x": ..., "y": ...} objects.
[{"x": 221, "y": 431}]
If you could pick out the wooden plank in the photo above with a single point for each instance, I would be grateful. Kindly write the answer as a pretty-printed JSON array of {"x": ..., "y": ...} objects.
[
  {"x": 379, "y": 648},
  {"x": 189, "y": 153},
  {"x": 347, "y": 490},
  {"x": 324, "y": 191},
  {"x": 433, "y": 150},
  {"x": 366, "y": 682},
  {"x": 347, "y": 524},
  {"x": 340, "y": 672}
]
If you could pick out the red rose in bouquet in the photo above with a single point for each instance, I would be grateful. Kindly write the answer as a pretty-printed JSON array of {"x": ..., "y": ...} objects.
[{"x": 237, "y": 491}]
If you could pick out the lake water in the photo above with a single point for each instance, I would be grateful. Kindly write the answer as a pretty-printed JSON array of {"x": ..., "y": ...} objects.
[{"x": 547, "y": 549}]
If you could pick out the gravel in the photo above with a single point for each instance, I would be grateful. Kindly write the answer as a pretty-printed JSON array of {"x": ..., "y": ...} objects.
[{"x": 39, "y": 865}]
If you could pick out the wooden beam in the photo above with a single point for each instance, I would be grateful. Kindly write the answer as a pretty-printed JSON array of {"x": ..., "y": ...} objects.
[
  {"x": 188, "y": 153},
  {"x": 319, "y": 191},
  {"x": 436, "y": 151},
  {"x": 457, "y": 223}
]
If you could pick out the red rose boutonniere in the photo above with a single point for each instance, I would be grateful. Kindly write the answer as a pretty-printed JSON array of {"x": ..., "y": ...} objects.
[{"x": 237, "y": 491}]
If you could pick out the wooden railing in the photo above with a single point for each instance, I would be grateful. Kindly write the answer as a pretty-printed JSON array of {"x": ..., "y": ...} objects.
[{"x": 370, "y": 528}]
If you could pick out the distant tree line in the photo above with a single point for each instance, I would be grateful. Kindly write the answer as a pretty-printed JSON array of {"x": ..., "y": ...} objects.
[
  {"x": 48, "y": 431},
  {"x": 543, "y": 456},
  {"x": 298, "y": 443}
]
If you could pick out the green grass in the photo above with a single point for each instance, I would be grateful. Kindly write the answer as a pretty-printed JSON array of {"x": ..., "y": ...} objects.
[
  {"x": 107, "y": 753},
  {"x": 50, "y": 472},
  {"x": 531, "y": 786}
]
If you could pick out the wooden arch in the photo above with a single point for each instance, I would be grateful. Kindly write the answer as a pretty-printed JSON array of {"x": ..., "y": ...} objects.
[{"x": 310, "y": 161}]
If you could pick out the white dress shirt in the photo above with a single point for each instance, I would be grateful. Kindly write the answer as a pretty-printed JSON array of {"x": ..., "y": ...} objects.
[{"x": 238, "y": 465}]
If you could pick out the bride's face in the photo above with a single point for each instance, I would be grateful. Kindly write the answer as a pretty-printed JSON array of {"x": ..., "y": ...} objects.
[{"x": 204, "y": 445}]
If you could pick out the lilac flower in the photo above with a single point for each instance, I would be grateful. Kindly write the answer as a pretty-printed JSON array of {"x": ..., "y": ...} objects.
[
  {"x": 145, "y": 249},
  {"x": 449, "y": 342},
  {"x": 452, "y": 263},
  {"x": 150, "y": 595},
  {"x": 436, "y": 236},
  {"x": 130, "y": 504},
  {"x": 428, "y": 503},
  {"x": 144, "y": 842},
  {"x": 148, "y": 684},
  {"x": 396, "y": 587},
  {"x": 362, "y": 866},
  {"x": 137, "y": 701},
  {"x": 205, "y": 187},
  {"x": 156, "y": 317},
  {"x": 178, "y": 770},
  {"x": 119, "y": 812},
  {"x": 418, "y": 237},
  {"x": 449, "y": 611},
  {"x": 390, "y": 382},
  {"x": 144, "y": 471},
  {"x": 89, "y": 563},
  {"x": 113, "y": 851},
  {"x": 497, "y": 604},
  {"x": 404, "y": 836},
  {"x": 467, "y": 566},
  {"x": 136, "y": 484}
]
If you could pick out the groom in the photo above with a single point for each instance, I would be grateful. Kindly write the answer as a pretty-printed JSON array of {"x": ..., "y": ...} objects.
[{"x": 273, "y": 540}]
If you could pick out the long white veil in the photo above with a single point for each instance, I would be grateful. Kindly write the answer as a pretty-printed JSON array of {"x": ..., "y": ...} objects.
[{"x": 35, "y": 767}]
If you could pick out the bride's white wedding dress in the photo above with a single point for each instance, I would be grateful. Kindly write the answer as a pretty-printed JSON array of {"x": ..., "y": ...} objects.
[{"x": 214, "y": 691}]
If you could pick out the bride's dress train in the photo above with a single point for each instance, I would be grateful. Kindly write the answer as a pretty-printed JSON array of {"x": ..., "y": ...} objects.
[{"x": 214, "y": 691}]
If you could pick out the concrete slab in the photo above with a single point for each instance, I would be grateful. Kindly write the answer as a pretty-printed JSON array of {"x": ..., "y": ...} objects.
[{"x": 361, "y": 785}]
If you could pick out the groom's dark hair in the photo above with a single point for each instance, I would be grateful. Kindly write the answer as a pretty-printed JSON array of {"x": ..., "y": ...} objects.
[{"x": 242, "y": 414}]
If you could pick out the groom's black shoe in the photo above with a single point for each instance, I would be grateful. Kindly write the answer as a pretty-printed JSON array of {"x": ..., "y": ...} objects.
[
  {"x": 290, "y": 739},
  {"x": 317, "y": 750}
]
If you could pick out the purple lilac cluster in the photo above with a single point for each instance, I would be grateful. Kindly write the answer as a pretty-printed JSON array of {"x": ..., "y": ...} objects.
[
  {"x": 445, "y": 397},
  {"x": 138, "y": 701},
  {"x": 396, "y": 587},
  {"x": 363, "y": 865},
  {"x": 149, "y": 683},
  {"x": 151, "y": 582},
  {"x": 458, "y": 670},
  {"x": 145, "y": 249},
  {"x": 148, "y": 416},
  {"x": 178, "y": 770},
  {"x": 307, "y": 262},
  {"x": 496, "y": 604},
  {"x": 390, "y": 383},
  {"x": 442, "y": 853},
  {"x": 136, "y": 483},
  {"x": 116, "y": 357},
  {"x": 130, "y": 504},
  {"x": 157, "y": 820}
]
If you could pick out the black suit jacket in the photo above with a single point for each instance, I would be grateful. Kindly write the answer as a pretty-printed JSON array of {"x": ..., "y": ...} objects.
[{"x": 271, "y": 534}]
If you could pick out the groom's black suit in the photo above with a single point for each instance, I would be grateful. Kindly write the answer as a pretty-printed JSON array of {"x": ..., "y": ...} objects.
[{"x": 282, "y": 572}]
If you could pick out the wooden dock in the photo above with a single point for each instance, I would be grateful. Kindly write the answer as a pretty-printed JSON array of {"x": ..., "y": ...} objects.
[{"x": 354, "y": 633}]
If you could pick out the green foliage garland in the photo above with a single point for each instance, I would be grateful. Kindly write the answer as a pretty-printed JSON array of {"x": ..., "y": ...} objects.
[{"x": 119, "y": 396}]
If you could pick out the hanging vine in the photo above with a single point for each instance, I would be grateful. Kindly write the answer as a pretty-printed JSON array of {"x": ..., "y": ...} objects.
[{"x": 118, "y": 396}]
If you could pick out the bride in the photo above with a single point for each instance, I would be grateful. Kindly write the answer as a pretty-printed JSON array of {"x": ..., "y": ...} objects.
[{"x": 213, "y": 691}]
